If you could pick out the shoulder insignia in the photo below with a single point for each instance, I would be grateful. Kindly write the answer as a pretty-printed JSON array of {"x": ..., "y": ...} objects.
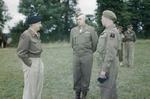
[{"x": 112, "y": 35}]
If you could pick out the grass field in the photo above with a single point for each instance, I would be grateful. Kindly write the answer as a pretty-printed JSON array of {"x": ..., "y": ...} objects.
[{"x": 133, "y": 83}]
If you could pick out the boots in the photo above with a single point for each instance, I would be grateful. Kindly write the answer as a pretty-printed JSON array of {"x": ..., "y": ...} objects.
[
  {"x": 84, "y": 94},
  {"x": 78, "y": 93}
]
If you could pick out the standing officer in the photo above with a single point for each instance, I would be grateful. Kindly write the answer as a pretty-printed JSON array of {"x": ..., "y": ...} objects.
[
  {"x": 29, "y": 51},
  {"x": 83, "y": 40},
  {"x": 129, "y": 41},
  {"x": 107, "y": 49},
  {"x": 120, "y": 29},
  {"x": 1, "y": 40}
]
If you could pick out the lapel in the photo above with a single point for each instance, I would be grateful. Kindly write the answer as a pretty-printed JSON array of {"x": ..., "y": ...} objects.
[{"x": 34, "y": 34}]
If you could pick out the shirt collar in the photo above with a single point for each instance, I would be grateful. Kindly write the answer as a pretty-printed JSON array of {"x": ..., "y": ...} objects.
[
  {"x": 34, "y": 33},
  {"x": 111, "y": 26}
]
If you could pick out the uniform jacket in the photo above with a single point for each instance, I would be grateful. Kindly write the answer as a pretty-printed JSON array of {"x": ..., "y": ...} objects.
[
  {"x": 83, "y": 40},
  {"x": 129, "y": 36},
  {"x": 108, "y": 46},
  {"x": 29, "y": 46}
]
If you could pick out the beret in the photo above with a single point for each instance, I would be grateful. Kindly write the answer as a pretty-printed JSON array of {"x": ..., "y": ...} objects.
[
  {"x": 110, "y": 15},
  {"x": 33, "y": 19}
]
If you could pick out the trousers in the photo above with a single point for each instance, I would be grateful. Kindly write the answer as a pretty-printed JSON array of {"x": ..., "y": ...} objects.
[{"x": 33, "y": 79}]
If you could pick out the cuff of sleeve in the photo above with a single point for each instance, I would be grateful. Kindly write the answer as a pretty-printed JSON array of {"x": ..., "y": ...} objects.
[
  {"x": 27, "y": 61},
  {"x": 105, "y": 69}
]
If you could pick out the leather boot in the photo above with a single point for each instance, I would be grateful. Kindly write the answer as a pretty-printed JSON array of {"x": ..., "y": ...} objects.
[
  {"x": 78, "y": 93},
  {"x": 84, "y": 94}
]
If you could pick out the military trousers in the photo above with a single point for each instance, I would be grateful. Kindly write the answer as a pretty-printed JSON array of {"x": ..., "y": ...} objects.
[
  {"x": 121, "y": 53},
  {"x": 109, "y": 93},
  {"x": 82, "y": 66},
  {"x": 33, "y": 79},
  {"x": 108, "y": 88},
  {"x": 128, "y": 53}
]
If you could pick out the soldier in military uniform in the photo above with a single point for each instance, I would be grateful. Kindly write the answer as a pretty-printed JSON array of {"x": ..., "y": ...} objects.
[
  {"x": 1, "y": 40},
  {"x": 121, "y": 35},
  {"x": 107, "y": 51},
  {"x": 29, "y": 51},
  {"x": 128, "y": 46},
  {"x": 83, "y": 41}
]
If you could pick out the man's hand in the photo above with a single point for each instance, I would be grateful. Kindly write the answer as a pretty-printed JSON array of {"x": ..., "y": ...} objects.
[
  {"x": 29, "y": 63},
  {"x": 103, "y": 74},
  {"x": 103, "y": 77}
]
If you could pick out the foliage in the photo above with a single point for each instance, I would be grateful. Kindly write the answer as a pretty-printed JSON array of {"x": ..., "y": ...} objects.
[
  {"x": 141, "y": 21},
  {"x": 135, "y": 12},
  {"x": 57, "y": 17},
  {"x": 4, "y": 16},
  {"x": 16, "y": 32},
  {"x": 117, "y": 6}
]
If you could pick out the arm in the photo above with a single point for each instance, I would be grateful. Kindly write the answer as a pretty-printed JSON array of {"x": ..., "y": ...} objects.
[
  {"x": 110, "y": 52},
  {"x": 71, "y": 39},
  {"x": 22, "y": 50},
  {"x": 94, "y": 40},
  {"x": 134, "y": 38}
]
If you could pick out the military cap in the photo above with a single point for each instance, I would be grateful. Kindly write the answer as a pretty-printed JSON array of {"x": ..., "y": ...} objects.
[
  {"x": 109, "y": 14},
  {"x": 33, "y": 19}
]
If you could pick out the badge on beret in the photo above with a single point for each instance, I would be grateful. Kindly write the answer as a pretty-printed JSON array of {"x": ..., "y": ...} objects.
[{"x": 112, "y": 35}]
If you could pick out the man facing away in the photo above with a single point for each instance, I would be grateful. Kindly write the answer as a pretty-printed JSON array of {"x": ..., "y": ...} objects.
[{"x": 107, "y": 49}]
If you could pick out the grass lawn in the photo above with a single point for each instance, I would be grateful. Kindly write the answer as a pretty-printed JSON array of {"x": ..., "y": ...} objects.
[{"x": 133, "y": 83}]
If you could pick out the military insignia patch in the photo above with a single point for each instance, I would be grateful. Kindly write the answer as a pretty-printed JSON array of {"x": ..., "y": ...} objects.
[{"x": 112, "y": 35}]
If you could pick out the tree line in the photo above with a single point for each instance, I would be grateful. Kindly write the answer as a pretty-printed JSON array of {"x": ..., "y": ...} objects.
[{"x": 59, "y": 17}]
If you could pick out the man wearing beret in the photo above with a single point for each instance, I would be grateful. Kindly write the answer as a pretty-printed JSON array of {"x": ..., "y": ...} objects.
[
  {"x": 29, "y": 51},
  {"x": 83, "y": 41},
  {"x": 107, "y": 49}
]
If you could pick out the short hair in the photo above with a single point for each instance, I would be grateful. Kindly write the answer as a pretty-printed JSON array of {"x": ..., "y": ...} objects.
[
  {"x": 82, "y": 16},
  {"x": 130, "y": 26}
]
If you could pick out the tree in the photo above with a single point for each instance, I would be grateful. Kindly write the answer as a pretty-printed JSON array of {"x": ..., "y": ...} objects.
[
  {"x": 57, "y": 16},
  {"x": 144, "y": 8},
  {"x": 69, "y": 13},
  {"x": 140, "y": 18},
  {"x": 114, "y": 5},
  {"x": 119, "y": 7},
  {"x": 16, "y": 32},
  {"x": 3, "y": 15}
]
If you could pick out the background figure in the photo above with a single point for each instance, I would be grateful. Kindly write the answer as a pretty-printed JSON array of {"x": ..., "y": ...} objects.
[
  {"x": 0, "y": 39},
  {"x": 128, "y": 46},
  {"x": 107, "y": 49},
  {"x": 29, "y": 51},
  {"x": 83, "y": 41},
  {"x": 3, "y": 40},
  {"x": 121, "y": 35}
]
